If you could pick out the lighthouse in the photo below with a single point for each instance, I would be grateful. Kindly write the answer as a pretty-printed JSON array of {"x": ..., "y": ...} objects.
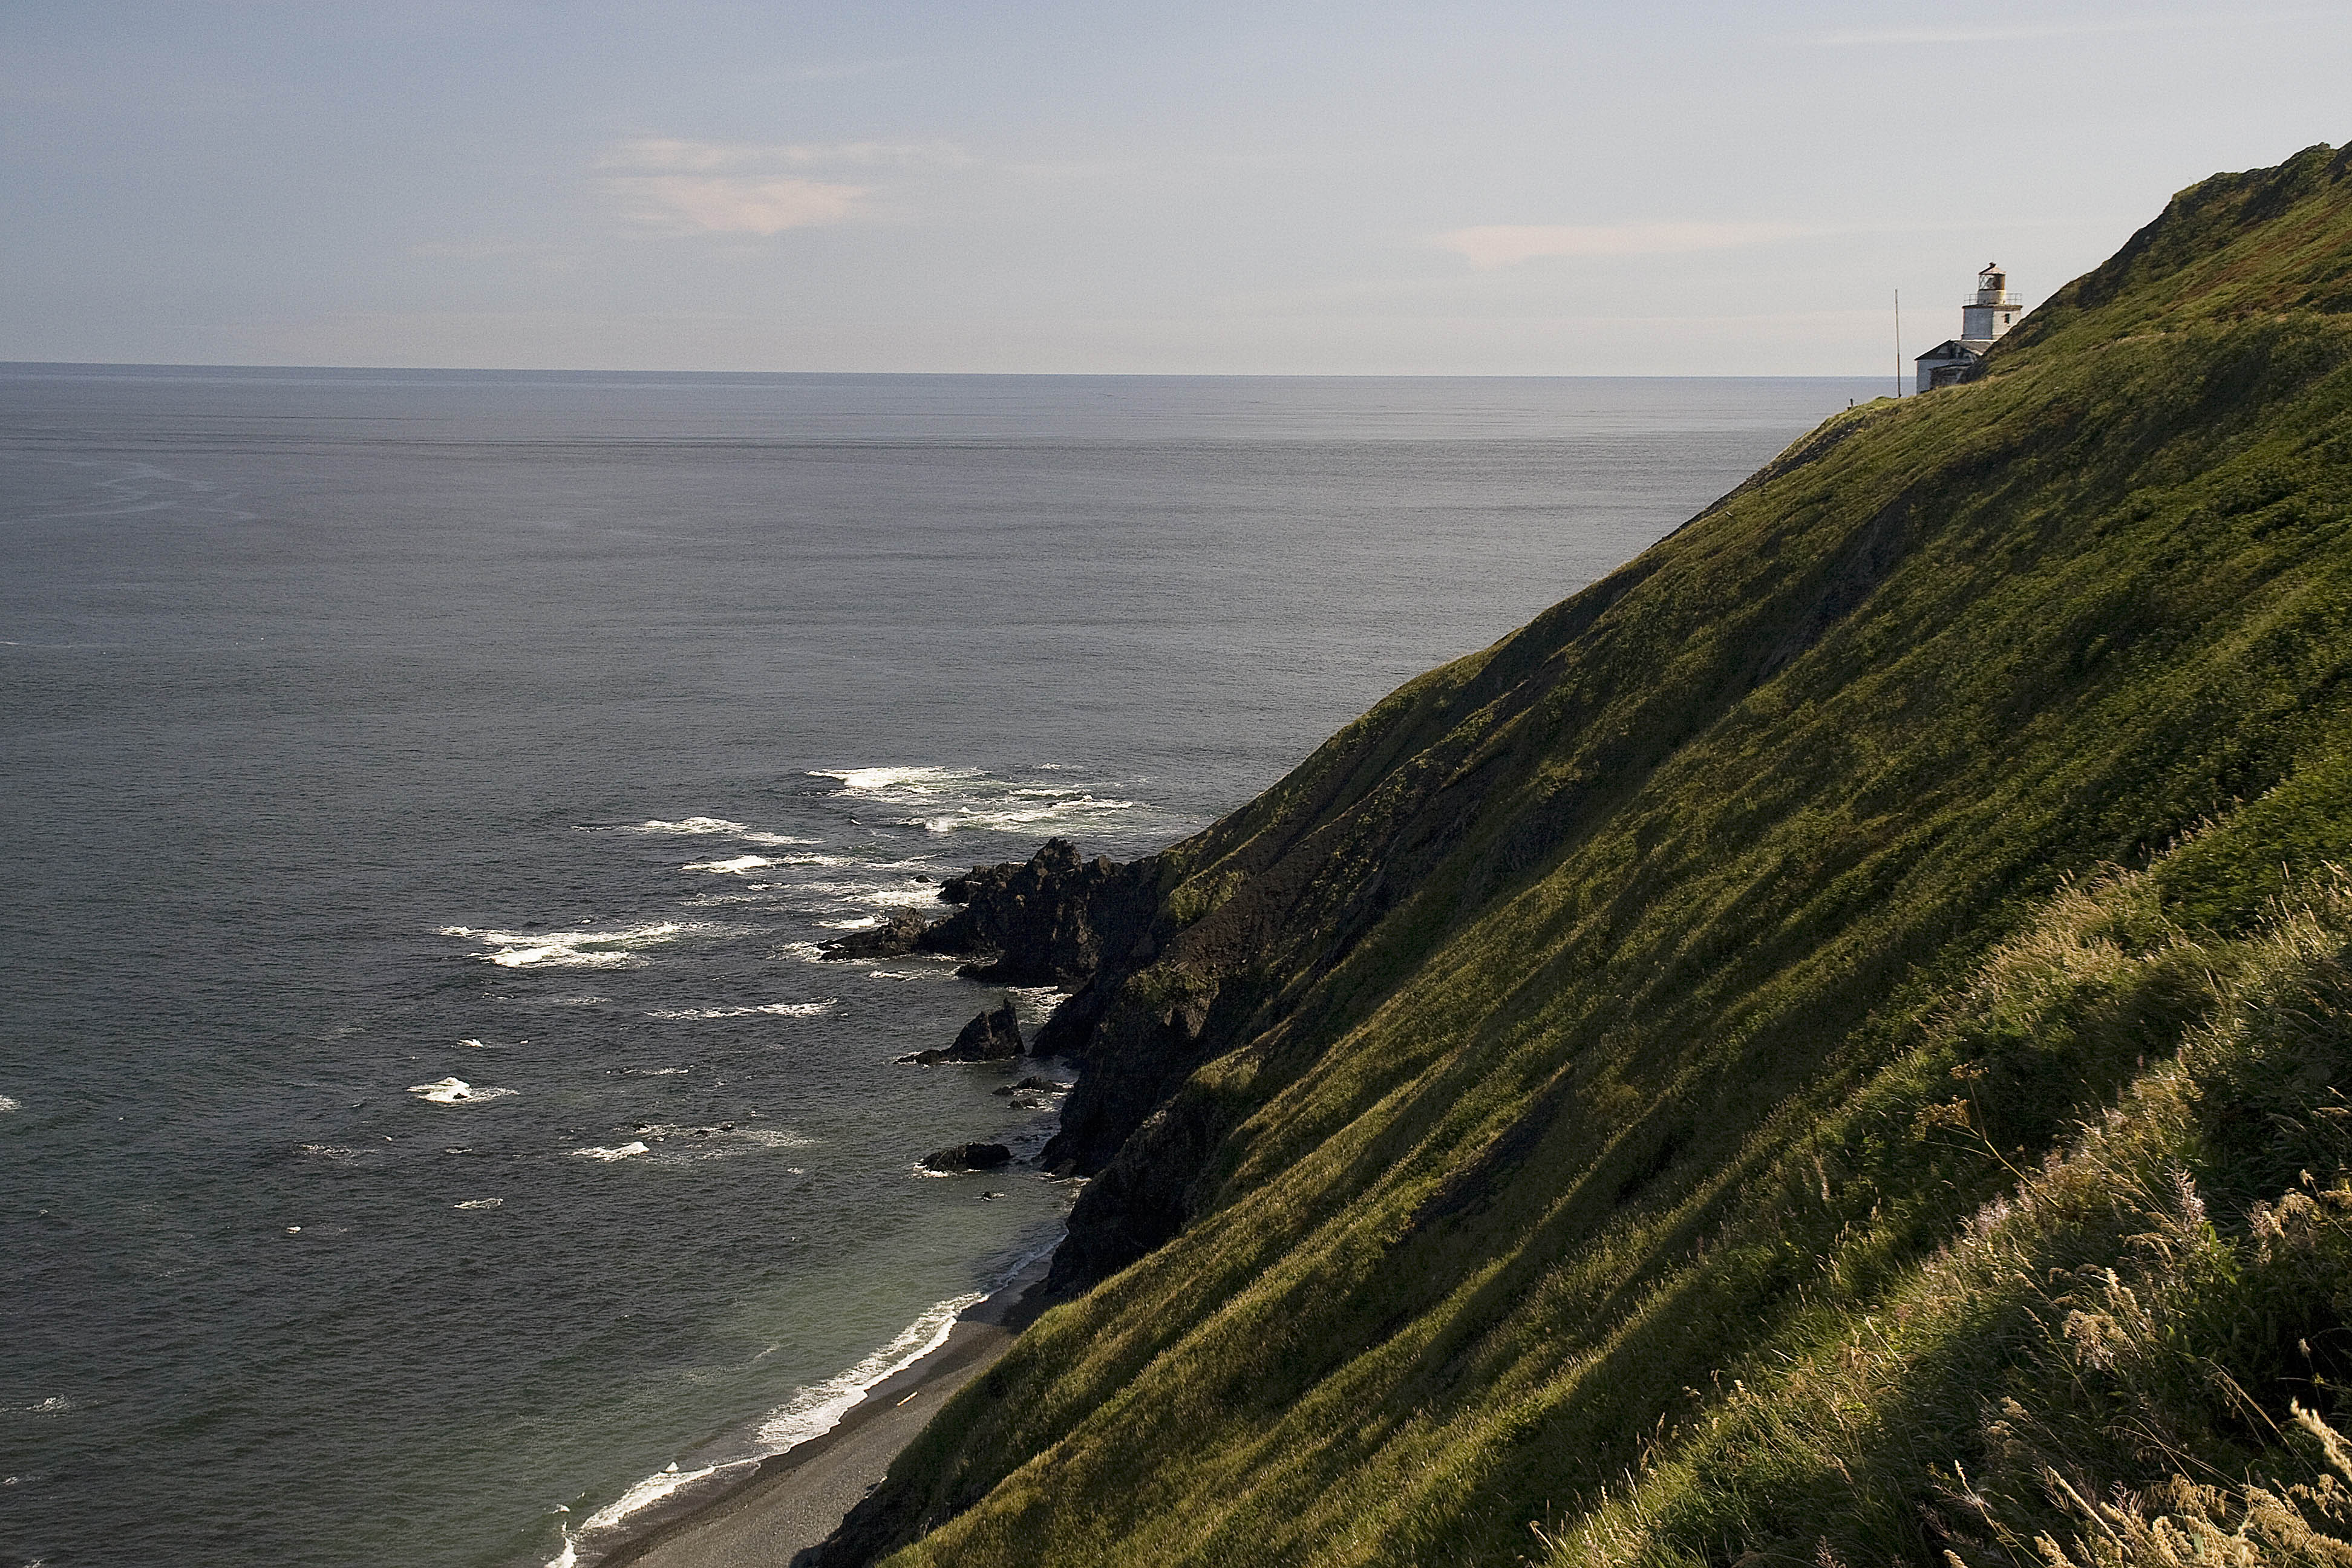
[
  {"x": 1992, "y": 311},
  {"x": 1982, "y": 319}
]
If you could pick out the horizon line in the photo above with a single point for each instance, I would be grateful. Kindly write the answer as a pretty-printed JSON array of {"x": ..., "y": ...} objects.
[{"x": 15, "y": 365}]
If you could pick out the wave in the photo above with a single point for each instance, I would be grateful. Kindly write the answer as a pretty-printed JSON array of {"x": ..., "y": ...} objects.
[
  {"x": 7, "y": 1104},
  {"x": 1039, "y": 999},
  {"x": 810, "y": 1413},
  {"x": 53, "y": 1405},
  {"x": 965, "y": 817},
  {"x": 456, "y": 1091},
  {"x": 888, "y": 893},
  {"x": 736, "y": 866},
  {"x": 643, "y": 1495},
  {"x": 481, "y": 1204},
  {"x": 777, "y": 840},
  {"x": 672, "y": 1144},
  {"x": 816, "y": 1410},
  {"x": 626, "y": 1151},
  {"x": 872, "y": 781},
  {"x": 774, "y": 1009},
  {"x": 774, "y": 1138},
  {"x": 692, "y": 825},
  {"x": 329, "y": 1151},
  {"x": 571, "y": 949}
]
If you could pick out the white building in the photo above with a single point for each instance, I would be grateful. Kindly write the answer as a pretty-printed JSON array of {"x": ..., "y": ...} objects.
[{"x": 1983, "y": 319}]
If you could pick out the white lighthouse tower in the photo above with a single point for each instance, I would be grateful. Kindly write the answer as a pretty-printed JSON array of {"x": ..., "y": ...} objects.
[
  {"x": 1982, "y": 319},
  {"x": 1992, "y": 311}
]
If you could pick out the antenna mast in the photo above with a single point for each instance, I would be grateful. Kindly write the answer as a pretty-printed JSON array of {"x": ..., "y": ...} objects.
[{"x": 1898, "y": 342}]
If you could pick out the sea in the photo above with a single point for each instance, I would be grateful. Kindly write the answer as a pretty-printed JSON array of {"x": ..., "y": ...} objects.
[{"x": 429, "y": 1133}]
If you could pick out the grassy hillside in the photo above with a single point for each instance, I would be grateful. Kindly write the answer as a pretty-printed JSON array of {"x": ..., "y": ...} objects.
[{"x": 1823, "y": 1048}]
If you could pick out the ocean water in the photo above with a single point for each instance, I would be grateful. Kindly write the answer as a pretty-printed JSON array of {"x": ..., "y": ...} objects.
[{"x": 423, "y": 1118}]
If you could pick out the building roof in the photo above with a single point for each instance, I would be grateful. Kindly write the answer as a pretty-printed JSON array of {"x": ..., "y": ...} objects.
[{"x": 1958, "y": 348}]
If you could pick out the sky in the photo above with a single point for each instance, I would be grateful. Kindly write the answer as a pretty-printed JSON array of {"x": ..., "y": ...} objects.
[{"x": 1268, "y": 188}]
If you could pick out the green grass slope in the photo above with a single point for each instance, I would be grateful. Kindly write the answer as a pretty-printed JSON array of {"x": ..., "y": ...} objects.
[{"x": 1823, "y": 1048}]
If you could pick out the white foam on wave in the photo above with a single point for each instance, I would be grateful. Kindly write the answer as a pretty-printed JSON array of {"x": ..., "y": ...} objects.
[
  {"x": 690, "y": 825},
  {"x": 53, "y": 1405},
  {"x": 481, "y": 1204},
  {"x": 1038, "y": 999},
  {"x": 736, "y": 866},
  {"x": 816, "y": 1410},
  {"x": 887, "y": 894},
  {"x": 328, "y": 1152},
  {"x": 642, "y": 1496},
  {"x": 676, "y": 1143},
  {"x": 6, "y": 1104},
  {"x": 863, "y": 922},
  {"x": 774, "y": 1138},
  {"x": 774, "y": 1009},
  {"x": 810, "y": 1413},
  {"x": 626, "y": 1151},
  {"x": 778, "y": 840},
  {"x": 873, "y": 781},
  {"x": 456, "y": 1091},
  {"x": 571, "y": 949},
  {"x": 964, "y": 817}
]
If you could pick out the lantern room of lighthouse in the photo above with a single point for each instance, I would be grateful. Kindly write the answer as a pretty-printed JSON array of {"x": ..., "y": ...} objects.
[{"x": 1992, "y": 311}]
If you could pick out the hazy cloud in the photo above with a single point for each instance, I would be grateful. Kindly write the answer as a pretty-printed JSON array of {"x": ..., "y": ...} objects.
[
  {"x": 471, "y": 249},
  {"x": 666, "y": 155},
  {"x": 692, "y": 203},
  {"x": 1507, "y": 245},
  {"x": 2016, "y": 32},
  {"x": 741, "y": 187}
]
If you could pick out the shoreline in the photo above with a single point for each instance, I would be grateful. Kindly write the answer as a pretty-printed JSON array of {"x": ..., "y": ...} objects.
[{"x": 793, "y": 1501}]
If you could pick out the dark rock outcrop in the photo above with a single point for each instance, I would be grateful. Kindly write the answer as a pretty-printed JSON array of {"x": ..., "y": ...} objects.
[
  {"x": 969, "y": 1157},
  {"x": 1032, "y": 1083},
  {"x": 991, "y": 1038},
  {"x": 900, "y": 935},
  {"x": 1051, "y": 920}
]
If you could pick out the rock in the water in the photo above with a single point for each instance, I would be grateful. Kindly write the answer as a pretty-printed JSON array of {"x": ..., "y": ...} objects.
[
  {"x": 1052, "y": 917},
  {"x": 899, "y": 935},
  {"x": 969, "y": 1157},
  {"x": 991, "y": 1038}
]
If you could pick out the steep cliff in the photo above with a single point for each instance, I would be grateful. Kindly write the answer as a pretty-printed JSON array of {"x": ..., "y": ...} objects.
[{"x": 1823, "y": 1044}]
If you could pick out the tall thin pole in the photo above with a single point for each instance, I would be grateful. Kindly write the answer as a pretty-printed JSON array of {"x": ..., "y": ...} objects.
[{"x": 1898, "y": 342}]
